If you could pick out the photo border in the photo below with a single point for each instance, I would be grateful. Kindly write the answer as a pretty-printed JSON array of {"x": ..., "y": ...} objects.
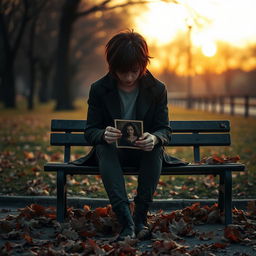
[{"x": 128, "y": 121}]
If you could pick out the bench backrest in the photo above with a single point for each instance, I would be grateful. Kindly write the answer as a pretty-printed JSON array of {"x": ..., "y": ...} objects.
[{"x": 185, "y": 133}]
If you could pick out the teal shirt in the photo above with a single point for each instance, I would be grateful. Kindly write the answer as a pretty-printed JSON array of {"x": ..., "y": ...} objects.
[{"x": 128, "y": 101}]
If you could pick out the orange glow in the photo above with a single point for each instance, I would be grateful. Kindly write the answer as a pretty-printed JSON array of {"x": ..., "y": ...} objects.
[
  {"x": 160, "y": 22},
  {"x": 209, "y": 49},
  {"x": 229, "y": 21}
]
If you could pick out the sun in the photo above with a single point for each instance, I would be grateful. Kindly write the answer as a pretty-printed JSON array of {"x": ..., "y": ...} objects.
[
  {"x": 159, "y": 24},
  {"x": 209, "y": 49}
]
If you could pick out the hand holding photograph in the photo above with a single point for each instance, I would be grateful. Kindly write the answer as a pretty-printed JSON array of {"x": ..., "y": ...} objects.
[{"x": 131, "y": 131}]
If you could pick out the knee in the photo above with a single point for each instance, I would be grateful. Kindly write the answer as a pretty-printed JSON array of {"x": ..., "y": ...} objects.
[
  {"x": 157, "y": 151},
  {"x": 106, "y": 150}
]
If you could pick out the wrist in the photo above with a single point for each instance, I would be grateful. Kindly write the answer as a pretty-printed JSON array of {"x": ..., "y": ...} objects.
[
  {"x": 156, "y": 140},
  {"x": 104, "y": 136}
]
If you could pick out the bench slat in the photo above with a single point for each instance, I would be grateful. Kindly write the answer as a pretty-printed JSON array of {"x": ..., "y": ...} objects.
[
  {"x": 175, "y": 170},
  {"x": 177, "y": 126},
  {"x": 68, "y": 125},
  {"x": 61, "y": 139},
  {"x": 200, "y": 126}
]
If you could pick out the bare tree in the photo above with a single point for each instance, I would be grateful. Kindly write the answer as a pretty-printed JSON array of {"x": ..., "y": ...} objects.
[
  {"x": 14, "y": 17},
  {"x": 36, "y": 8},
  {"x": 46, "y": 40}
]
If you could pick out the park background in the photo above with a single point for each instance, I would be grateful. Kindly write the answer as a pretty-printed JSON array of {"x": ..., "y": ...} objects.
[{"x": 51, "y": 51}]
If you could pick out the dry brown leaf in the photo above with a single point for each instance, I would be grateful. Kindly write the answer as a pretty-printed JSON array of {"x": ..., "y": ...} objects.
[
  {"x": 183, "y": 228},
  {"x": 70, "y": 234}
]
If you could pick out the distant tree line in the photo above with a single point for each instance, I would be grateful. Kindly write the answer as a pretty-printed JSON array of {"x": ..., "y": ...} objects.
[
  {"x": 46, "y": 43},
  {"x": 50, "y": 47}
]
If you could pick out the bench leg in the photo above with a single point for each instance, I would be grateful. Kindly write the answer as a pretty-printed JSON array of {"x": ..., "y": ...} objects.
[
  {"x": 221, "y": 193},
  {"x": 228, "y": 197},
  {"x": 61, "y": 196}
]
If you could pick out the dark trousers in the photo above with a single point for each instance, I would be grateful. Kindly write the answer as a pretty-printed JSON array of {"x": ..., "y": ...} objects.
[{"x": 111, "y": 160}]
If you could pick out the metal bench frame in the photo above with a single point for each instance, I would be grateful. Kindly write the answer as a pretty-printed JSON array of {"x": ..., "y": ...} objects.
[{"x": 185, "y": 133}]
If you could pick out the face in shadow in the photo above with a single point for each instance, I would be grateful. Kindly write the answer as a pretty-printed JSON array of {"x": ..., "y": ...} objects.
[{"x": 130, "y": 132}]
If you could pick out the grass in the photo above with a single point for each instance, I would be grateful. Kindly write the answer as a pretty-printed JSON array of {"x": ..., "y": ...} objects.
[{"x": 24, "y": 148}]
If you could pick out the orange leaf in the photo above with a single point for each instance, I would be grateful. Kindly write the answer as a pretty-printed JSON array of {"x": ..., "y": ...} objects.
[
  {"x": 194, "y": 206},
  {"x": 219, "y": 245},
  {"x": 86, "y": 208},
  {"x": 132, "y": 207},
  {"x": 233, "y": 159},
  {"x": 161, "y": 183},
  {"x": 107, "y": 247},
  {"x": 28, "y": 238},
  {"x": 217, "y": 159},
  {"x": 38, "y": 209},
  {"x": 56, "y": 156},
  {"x": 51, "y": 216},
  {"x": 29, "y": 155},
  {"x": 92, "y": 243},
  {"x": 87, "y": 234},
  {"x": 232, "y": 233},
  {"x": 101, "y": 211}
]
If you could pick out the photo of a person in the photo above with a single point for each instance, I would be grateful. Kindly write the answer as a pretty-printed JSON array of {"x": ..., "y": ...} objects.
[{"x": 131, "y": 131}]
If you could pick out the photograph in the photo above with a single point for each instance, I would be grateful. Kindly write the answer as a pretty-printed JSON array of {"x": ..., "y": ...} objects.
[{"x": 131, "y": 131}]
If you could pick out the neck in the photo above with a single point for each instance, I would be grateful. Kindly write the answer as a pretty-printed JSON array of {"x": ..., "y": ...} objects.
[{"x": 126, "y": 88}]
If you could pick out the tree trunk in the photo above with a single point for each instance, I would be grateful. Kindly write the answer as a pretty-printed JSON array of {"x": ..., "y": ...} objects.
[
  {"x": 208, "y": 82},
  {"x": 8, "y": 82},
  {"x": 32, "y": 70},
  {"x": 44, "y": 90},
  {"x": 228, "y": 81},
  {"x": 32, "y": 64},
  {"x": 62, "y": 78}
]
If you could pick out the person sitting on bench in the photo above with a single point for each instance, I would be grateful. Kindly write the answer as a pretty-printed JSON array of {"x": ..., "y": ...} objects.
[{"x": 128, "y": 91}]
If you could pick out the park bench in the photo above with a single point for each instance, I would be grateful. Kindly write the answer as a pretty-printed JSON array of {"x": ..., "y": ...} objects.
[{"x": 70, "y": 133}]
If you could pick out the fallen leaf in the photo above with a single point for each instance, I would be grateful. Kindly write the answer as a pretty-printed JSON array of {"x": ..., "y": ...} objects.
[
  {"x": 205, "y": 236},
  {"x": 232, "y": 233}
]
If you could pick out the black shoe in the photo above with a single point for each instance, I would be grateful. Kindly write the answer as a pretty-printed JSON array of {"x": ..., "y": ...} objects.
[
  {"x": 140, "y": 219},
  {"x": 127, "y": 231},
  {"x": 124, "y": 217},
  {"x": 142, "y": 232}
]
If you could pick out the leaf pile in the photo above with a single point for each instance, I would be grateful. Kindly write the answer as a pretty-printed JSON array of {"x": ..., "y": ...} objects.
[
  {"x": 223, "y": 159},
  {"x": 34, "y": 231}
]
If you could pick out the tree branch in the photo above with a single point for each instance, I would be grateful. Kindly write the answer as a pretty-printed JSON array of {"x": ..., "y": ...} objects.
[{"x": 103, "y": 7}]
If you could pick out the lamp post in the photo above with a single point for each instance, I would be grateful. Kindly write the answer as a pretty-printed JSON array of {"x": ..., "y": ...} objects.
[{"x": 189, "y": 81}]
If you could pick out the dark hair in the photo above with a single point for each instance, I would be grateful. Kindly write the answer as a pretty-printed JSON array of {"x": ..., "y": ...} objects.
[
  {"x": 126, "y": 51},
  {"x": 124, "y": 129}
]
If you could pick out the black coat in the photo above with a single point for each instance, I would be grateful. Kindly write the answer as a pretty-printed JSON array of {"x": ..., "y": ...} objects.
[{"x": 104, "y": 106}]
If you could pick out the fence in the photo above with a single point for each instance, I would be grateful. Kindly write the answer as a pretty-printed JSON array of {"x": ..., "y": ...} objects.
[{"x": 234, "y": 105}]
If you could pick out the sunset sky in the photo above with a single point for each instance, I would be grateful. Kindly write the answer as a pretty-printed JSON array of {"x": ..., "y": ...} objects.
[
  {"x": 233, "y": 21},
  {"x": 229, "y": 21}
]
